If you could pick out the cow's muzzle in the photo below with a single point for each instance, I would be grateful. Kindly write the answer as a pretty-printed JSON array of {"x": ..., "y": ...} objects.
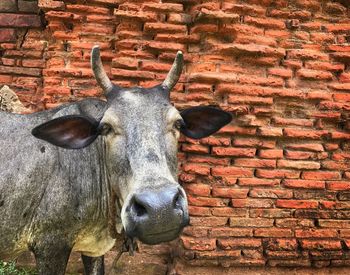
[{"x": 156, "y": 215}]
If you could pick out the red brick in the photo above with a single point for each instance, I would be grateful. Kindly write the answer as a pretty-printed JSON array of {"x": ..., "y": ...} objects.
[
  {"x": 196, "y": 231},
  {"x": 194, "y": 148},
  {"x": 250, "y": 100},
  {"x": 231, "y": 151},
  {"x": 250, "y": 222},
  {"x": 269, "y": 132},
  {"x": 294, "y": 223},
  {"x": 204, "y": 201},
  {"x": 230, "y": 232},
  {"x": 162, "y": 7},
  {"x": 19, "y": 20},
  {"x": 314, "y": 74},
  {"x": 232, "y": 254},
  {"x": 271, "y": 193},
  {"x": 7, "y": 35},
  {"x": 228, "y": 212},
  {"x": 208, "y": 221},
  {"x": 304, "y": 184},
  {"x": 252, "y": 203},
  {"x": 307, "y": 165},
  {"x": 273, "y": 232},
  {"x": 296, "y": 204},
  {"x": 270, "y": 213},
  {"x": 229, "y": 192},
  {"x": 257, "y": 182},
  {"x": 198, "y": 189},
  {"x": 261, "y": 163},
  {"x": 270, "y": 153},
  {"x": 228, "y": 244},
  {"x": 193, "y": 168},
  {"x": 277, "y": 173},
  {"x": 320, "y": 244},
  {"x": 316, "y": 233},
  {"x": 199, "y": 211},
  {"x": 307, "y": 54},
  {"x": 282, "y": 244},
  {"x": 324, "y": 66},
  {"x": 282, "y": 72},
  {"x": 338, "y": 185},
  {"x": 320, "y": 175},
  {"x": 232, "y": 171},
  {"x": 164, "y": 27},
  {"x": 208, "y": 160},
  {"x": 198, "y": 243}
]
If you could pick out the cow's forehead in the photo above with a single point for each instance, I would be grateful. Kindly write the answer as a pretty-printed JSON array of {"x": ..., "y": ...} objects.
[{"x": 139, "y": 98}]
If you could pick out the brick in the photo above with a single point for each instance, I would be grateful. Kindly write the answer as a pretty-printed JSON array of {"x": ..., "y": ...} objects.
[
  {"x": 209, "y": 160},
  {"x": 231, "y": 151},
  {"x": 320, "y": 175},
  {"x": 232, "y": 171},
  {"x": 255, "y": 50},
  {"x": 296, "y": 204},
  {"x": 217, "y": 14},
  {"x": 7, "y": 35},
  {"x": 204, "y": 201},
  {"x": 230, "y": 232},
  {"x": 270, "y": 153},
  {"x": 305, "y": 54},
  {"x": 164, "y": 27},
  {"x": 307, "y": 165},
  {"x": 304, "y": 184},
  {"x": 261, "y": 163},
  {"x": 228, "y": 244},
  {"x": 271, "y": 193},
  {"x": 316, "y": 233},
  {"x": 19, "y": 20},
  {"x": 281, "y": 72},
  {"x": 218, "y": 254},
  {"x": 208, "y": 221},
  {"x": 194, "y": 148},
  {"x": 270, "y": 213},
  {"x": 306, "y": 146},
  {"x": 198, "y": 189},
  {"x": 228, "y": 192},
  {"x": 338, "y": 185},
  {"x": 269, "y": 23},
  {"x": 320, "y": 244},
  {"x": 250, "y": 100},
  {"x": 273, "y": 232},
  {"x": 282, "y": 254},
  {"x": 250, "y": 222},
  {"x": 196, "y": 169},
  {"x": 314, "y": 74},
  {"x": 295, "y": 223},
  {"x": 282, "y": 244},
  {"x": 291, "y": 121},
  {"x": 228, "y": 212},
  {"x": 252, "y": 203},
  {"x": 289, "y": 263},
  {"x": 257, "y": 182},
  {"x": 199, "y": 211},
  {"x": 28, "y": 7},
  {"x": 198, "y": 243},
  {"x": 196, "y": 231},
  {"x": 311, "y": 134},
  {"x": 8, "y": 6},
  {"x": 276, "y": 173},
  {"x": 269, "y": 132}
]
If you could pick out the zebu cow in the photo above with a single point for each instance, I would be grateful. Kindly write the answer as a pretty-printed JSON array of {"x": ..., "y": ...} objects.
[{"x": 123, "y": 177}]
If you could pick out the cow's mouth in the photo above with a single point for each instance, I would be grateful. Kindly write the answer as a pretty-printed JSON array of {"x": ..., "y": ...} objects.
[{"x": 159, "y": 237}]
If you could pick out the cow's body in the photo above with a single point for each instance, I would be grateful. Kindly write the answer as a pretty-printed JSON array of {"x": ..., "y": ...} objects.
[{"x": 46, "y": 190}]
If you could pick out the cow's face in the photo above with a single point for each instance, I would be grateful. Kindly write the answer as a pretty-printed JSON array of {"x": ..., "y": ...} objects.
[{"x": 140, "y": 130}]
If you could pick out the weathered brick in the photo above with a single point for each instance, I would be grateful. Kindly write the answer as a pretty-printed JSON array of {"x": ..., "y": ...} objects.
[
  {"x": 19, "y": 20},
  {"x": 296, "y": 204}
]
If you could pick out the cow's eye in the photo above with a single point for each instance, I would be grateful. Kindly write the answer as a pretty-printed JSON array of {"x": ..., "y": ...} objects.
[
  {"x": 105, "y": 129},
  {"x": 178, "y": 124}
]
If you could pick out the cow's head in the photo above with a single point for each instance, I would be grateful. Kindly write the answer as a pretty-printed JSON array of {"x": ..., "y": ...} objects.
[{"x": 140, "y": 130}]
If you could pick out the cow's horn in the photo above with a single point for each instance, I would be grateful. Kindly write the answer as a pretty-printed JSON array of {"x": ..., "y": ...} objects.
[
  {"x": 99, "y": 72},
  {"x": 175, "y": 72}
]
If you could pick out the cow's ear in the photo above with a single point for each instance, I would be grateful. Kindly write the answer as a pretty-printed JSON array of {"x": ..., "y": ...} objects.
[
  {"x": 202, "y": 121},
  {"x": 70, "y": 132}
]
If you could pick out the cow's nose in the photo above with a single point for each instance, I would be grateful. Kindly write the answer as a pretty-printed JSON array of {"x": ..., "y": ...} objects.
[
  {"x": 157, "y": 214},
  {"x": 157, "y": 203}
]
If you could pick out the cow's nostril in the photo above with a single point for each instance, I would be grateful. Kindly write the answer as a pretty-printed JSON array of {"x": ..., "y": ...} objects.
[
  {"x": 139, "y": 209},
  {"x": 177, "y": 200}
]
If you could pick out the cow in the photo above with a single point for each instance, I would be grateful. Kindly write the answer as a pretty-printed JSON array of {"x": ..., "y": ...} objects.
[{"x": 74, "y": 177}]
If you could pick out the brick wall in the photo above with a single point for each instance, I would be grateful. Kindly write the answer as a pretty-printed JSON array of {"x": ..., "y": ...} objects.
[
  {"x": 271, "y": 189},
  {"x": 22, "y": 46}
]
